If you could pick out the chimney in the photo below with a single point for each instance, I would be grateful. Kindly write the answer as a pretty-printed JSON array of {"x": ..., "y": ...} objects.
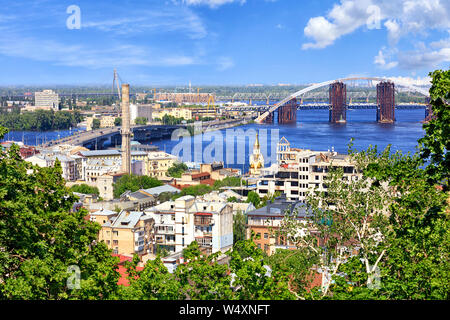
[{"x": 126, "y": 132}]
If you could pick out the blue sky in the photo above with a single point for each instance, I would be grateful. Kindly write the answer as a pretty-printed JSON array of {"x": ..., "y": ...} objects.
[{"x": 221, "y": 42}]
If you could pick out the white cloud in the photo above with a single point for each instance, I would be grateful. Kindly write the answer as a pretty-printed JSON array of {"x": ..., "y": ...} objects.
[
  {"x": 425, "y": 81},
  {"x": 168, "y": 19},
  {"x": 380, "y": 60},
  {"x": 424, "y": 59},
  {"x": 402, "y": 19},
  {"x": 115, "y": 55}
]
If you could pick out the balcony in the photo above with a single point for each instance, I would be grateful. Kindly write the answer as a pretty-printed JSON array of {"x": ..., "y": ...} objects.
[
  {"x": 204, "y": 242},
  {"x": 164, "y": 241},
  {"x": 165, "y": 231},
  {"x": 203, "y": 221}
]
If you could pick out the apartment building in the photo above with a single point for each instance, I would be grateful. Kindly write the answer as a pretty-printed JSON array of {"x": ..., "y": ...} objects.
[
  {"x": 158, "y": 162},
  {"x": 185, "y": 113},
  {"x": 46, "y": 99},
  {"x": 298, "y": 171},
  {"x": 129, "y": 233},
  {"x": 265, "y": 222},
  {"x": 184, "y": 97},
  {"x": 184, "y": 220},
  {"x": 68, "y": 164},
  {"x": 102, "y": 216}
]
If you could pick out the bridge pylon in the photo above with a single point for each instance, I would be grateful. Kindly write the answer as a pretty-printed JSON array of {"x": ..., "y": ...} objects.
[
  {"x": 287, "y": 113},
  {"x": 385, "y": 102},
  {"x": 338, "y": 102}
]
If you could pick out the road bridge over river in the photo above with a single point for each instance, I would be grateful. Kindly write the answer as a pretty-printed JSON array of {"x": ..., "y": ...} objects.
[{"x": 95, "y": 139}]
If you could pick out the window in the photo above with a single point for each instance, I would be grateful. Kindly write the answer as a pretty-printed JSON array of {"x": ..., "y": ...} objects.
[
  {"x": 317, "y": 177},
  {"x": 266, "y": 247},
  {"x": 116, "y": 242},
  {"x": 266, "y": 236}
]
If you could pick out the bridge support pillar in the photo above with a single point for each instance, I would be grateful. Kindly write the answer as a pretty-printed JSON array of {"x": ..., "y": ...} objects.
[
  {"x": 287, "y": 113},
  {"x": 268, "y": 119},
  {"x": 338, "y": 102},
  {"x": 385, "y": 102}
]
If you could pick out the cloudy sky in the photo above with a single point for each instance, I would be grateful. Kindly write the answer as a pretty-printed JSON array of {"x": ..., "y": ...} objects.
[{"x": 172, "y": 42}]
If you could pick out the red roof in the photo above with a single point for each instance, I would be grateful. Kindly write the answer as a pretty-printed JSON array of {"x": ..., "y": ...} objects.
[
  {"x": 203, "y": 214},
  {"x": 123, "y": 271}
]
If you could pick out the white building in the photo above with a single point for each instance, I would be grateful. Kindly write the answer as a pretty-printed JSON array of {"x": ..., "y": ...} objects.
[
  {"x": 298, "y": 171},
  {"x": 178, "y": 223},
  {"x": 47, "y": 99},
  {"x": 68, "y": 164}
]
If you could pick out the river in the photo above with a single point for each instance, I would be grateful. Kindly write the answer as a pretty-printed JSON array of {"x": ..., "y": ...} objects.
[{"x": 312, "y": 131}]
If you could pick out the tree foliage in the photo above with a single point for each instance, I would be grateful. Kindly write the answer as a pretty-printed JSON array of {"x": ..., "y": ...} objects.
[
  {"x": 85, "y": 189},
  {"x": 177, "y": 169},
  {"x": 133, "y": 183},
  {"x": 40, "y": 120},
  {"x": 195, "y": 190},
  {"x": 435, "y": 145},
  {"x": 40, "y": 237}
]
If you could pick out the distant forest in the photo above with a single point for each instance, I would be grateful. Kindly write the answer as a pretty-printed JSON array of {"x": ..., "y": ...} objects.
[{"x": 40, "y": 120}]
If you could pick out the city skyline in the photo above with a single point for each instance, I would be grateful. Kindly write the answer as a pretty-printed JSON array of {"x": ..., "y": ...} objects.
[{"x": 221, "y": 42}]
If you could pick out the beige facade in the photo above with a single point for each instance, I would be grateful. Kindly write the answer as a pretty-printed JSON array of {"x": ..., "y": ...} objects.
[
  {"x": 185, "y": 113},
  {"x": 129, "y": 233},
  {"x": 105, "y": 121},
  {"x": 157, "y": 163},
  {"x": 46, "y": 99}
]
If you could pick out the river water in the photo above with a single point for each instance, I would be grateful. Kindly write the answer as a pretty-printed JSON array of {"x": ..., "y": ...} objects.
[{"x": 312, "y": 131}]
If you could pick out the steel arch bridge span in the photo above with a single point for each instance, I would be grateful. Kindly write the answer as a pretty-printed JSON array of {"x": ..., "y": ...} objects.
[{"x": 261, "y": 118}]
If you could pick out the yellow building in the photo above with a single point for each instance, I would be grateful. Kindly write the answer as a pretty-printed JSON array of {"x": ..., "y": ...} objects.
[
  {"x": 129, "y": 233},
  {"x": 185, "y": 113},
  {"x": 158, "y": 162},
  {"x": 105, "y": 121}
]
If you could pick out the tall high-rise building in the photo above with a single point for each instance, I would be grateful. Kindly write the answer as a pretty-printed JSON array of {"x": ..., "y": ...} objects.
[
  {"x": 47, "y": 99},
  {"x": 126, "y": 132}
]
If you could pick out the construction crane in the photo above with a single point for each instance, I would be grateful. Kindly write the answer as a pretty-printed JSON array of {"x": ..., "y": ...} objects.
[
  {"x": 198, "y": 95},
  {"x": 211, "y": 102}
]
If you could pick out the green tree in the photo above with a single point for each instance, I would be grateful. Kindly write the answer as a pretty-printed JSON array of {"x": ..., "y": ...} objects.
[
  {"x": 435, "y": 145},
  {"x": 177, "y": 169},
  {"x": 154, "y": 282},
  {"x": 140, "y": 120},
  {"x": 253, "y": 279},
  {"x": 85, "y": 189},
  {"x": 202, "y": 277},
  {"x": 254, "y": 198},
  {"x": 118, "y": 121},
  {"x": 95, "y": 124},
  {"x": 239, "y": 229},
  {"x": 196, "y": 190},
  {"x": 41, "y": 237},
  {"x": 133, "y": 183},
  {"x": 227, "y": 182}
]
